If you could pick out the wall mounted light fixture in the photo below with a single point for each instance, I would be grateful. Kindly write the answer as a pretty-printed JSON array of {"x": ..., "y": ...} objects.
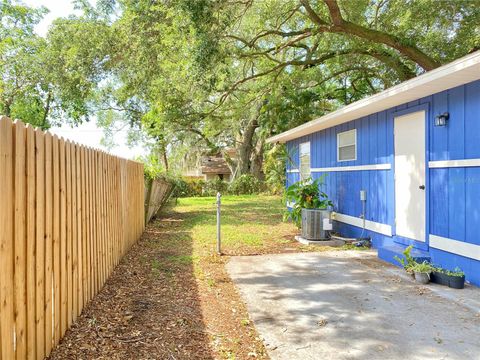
[{"x": 442, "y": 119}]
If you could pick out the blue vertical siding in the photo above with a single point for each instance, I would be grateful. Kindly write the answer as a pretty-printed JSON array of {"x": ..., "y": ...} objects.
[{"x": 453, "y": 197}]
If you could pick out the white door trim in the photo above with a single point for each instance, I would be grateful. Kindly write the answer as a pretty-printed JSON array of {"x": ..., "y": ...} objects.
[{"x": 410, "y": 174}]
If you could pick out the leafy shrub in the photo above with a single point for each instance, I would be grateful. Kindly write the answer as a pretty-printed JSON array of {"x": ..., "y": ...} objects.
[
  {"x": 424, "y": 267},
  {"x": 409, "y": 262},
  {"x": 211, "y": 187},
  {"x": 305, "y": 195},
  {"x": 188, "y": 187},
  {"x": 274, "y": 168},
  {"x": 245, "y": 184},
  {"x": 456, "y": 272}
]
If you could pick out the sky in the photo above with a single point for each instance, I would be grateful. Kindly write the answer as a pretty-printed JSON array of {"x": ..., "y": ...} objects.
[{"x": 88, "y": 133}]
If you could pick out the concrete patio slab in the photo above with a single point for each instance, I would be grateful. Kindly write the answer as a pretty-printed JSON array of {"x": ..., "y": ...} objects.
[{"x": 349, "y": 305}]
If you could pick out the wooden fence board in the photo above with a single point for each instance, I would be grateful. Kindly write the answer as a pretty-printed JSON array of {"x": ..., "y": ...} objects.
[
  {"x": 68, "y": 215},
  {"x": 56, "y": 239},
  {"x": 31, "y": 222},
  {"x": 63, "y": 239},
  {"x": 20, "y": 241},
  {"x": 74, "y": 232},
  {"x": 6, "y": 240},
  {"x": 84, "y": 229},
  {"x": 68, "y": 189},
  {"x": 40, "y": 242},
  {"x": 48, "y": 268}
]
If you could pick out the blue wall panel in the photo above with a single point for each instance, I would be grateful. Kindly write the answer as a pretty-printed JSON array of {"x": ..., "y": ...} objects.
[
  {"x": 472, "y": 204},
  {"x": 453, "y": 193},
  {"x": 472, "y": 125},
  {"x": 450, "y": 261}
]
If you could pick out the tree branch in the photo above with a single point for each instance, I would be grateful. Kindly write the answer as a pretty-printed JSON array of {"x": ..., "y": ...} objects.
[{"x": 340, "y": 25}]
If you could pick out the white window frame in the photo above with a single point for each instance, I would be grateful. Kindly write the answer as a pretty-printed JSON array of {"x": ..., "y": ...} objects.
[
  {"x": 345, "y": 145},
  {"x": 307, "y": 143}
]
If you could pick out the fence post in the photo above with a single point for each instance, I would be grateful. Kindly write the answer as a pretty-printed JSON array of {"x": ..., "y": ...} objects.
[{"x": 219, "y": 240}]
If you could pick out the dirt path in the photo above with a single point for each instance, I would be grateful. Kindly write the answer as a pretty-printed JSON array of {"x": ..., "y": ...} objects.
[{"x": 170, "y": 298}]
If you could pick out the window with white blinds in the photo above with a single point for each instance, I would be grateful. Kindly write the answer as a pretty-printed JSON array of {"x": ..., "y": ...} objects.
[
  {"x": 304, "y": 160},
  {"x": 347, "y": 145}
]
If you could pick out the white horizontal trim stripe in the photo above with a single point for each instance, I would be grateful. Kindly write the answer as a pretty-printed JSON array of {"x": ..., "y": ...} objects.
[
  {"x": 353, "y": 168},
  {"x": 454, "y": 163},
  {"x": 293, "y": 171},
  {"x": 471, "y": 251},
  {"x": 380, "y": 228}
]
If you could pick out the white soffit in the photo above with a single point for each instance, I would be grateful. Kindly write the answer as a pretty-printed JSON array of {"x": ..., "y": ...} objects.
[{"x": 456, "y": 73}]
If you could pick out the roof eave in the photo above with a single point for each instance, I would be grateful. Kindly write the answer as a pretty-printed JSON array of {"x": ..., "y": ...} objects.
[{"x": 456, "y": 73}]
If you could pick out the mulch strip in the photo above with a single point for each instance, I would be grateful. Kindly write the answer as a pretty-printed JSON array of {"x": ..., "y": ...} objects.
[{"x": 163, "y": 303}]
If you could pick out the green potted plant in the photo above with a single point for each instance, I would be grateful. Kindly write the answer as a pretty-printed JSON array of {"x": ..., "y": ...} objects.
[
  {"x": 454, "y": 279},
  {"x": 422, "y": 272},
  {"x": 408, "y": 262},
  {"x": 310, "y": 206}
]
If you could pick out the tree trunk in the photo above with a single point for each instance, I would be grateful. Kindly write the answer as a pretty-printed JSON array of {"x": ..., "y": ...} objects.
[
  {"x": 163, "y": 151},
  {"x": 245, "y": 149},
  {"x": 257, "y": 160},
  {"x": 46, "y": 111},
  {"x": 7, "y": 108}
]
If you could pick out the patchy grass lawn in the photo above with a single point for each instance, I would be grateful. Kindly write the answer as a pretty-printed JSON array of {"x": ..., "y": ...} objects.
[
  {"x": 251, "y": 224},
  {"x": 171, "y": 297}
]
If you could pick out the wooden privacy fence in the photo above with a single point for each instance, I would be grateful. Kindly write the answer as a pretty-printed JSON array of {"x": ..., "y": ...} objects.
[
  {"x": 68, "y": 214},
  {"x": 157, "y": 193}
]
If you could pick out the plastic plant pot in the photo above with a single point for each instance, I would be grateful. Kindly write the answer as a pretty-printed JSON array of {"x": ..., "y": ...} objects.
[
  {"x": 456, "y": 282},
  {"x": 439, "y": 278},
  {"x": 422, "y": 277}
]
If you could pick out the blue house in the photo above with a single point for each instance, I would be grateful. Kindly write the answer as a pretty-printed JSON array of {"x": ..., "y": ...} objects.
[{"x": 415, "y": 149}]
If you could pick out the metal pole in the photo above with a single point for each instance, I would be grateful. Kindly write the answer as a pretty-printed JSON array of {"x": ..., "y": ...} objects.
[{"x": 219, "y": 240}]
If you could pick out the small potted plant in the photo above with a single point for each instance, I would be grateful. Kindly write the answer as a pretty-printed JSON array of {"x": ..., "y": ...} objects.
[
  {"x": 310, "y": 206},
  {"x": 422, "y": 272},
  {"x": 408, "y": 262},
  {"x": 453, "y": 279}
]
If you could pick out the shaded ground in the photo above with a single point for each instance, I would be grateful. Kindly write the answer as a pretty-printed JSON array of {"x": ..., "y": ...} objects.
[
  {"x": 171, "y": 298},
  {"x": 348, "y": 305}
]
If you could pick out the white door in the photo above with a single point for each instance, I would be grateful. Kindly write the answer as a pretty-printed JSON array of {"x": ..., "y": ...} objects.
[{"x": 410, "y": 175}]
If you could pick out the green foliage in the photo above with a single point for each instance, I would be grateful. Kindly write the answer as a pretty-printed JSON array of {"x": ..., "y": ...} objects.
[
  {"x": 188, "y": 187},
  {"x": 411, "y": 266},
  {"x": 212, "y": 187},
  {"x": 245, "y": 184},
  {"x": 408, "y": 262},
  {"x": 424, "y": 267},
  {"x": 274, "y": 167},
  {"x": 153, "y": 168},
  {"x": 456, "y": 272},
  {"x": 305, "y": 194},
  {"x": 198, "y": 77},
  {"x": 46, "y": 81},
  {"x": 196, "y": 187}
]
